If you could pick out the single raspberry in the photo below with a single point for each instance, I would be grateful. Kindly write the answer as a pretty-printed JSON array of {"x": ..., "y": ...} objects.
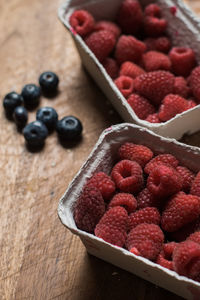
[
  {"x": 171, "y": 106},
  {"x": 111, "y": 67},
  {"x": 153, "y": 118},
  {"x": 161, "y": 44},
  {"x": 146, "y": 199},
  {"x": 164, "y": 181},
  {"x": 130, "y": 69},
  {"x": 154, "y": 85},
  {"x": 165, "y": 257},
  {"x": 154, "y": 24},
  {"x": 147, "y": 239},
  {"x": 152, "y": 10},
  {"x": 194, "y": 83},
  {"x": 129, "y": 48},
  {"x": 191, "y": 104},
  {"x": 184, "y": 232},
  {"x": 166, "y": 158},
  {"x": 113, "y": 226},
  {"x": 180, "y": 210},
  {"x": 89, "y": 209},
  {"x": 104, "y": 183},
  {"x": 154, "y": 60},
  {"x": 125, "y": 84},
  {"x": 141, "y": 106},
  {"x": 82, "y": 22},
  {"x": 195, "y": 187},
  {"x": 139, "y": 153},
  {"x": 128, "y": 176},
  {"x": 130, "y": 16},
  {"x": 148, "y": 215},
  {"x": 187, "y": 177},
  {"x": 180, "y": 87},
  {"x": 109, "y": 26},
  {"x": 126, "y": 200},
  {"x": 101, "y": 43},
  {"x": 195, "y": 237},
  {"x": 183, "y": 60}
]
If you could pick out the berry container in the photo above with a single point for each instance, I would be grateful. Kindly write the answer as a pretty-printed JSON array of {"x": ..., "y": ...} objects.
[
  {"x": 102, "y": 158},
  {"x": 183, "y": 28}
]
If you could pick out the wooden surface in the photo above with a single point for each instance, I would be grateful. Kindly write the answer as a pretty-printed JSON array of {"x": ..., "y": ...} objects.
[{"x": 40, "y": 258}]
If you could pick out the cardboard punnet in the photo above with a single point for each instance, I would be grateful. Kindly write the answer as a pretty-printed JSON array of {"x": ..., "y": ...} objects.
[
  {"x": 183, "y": 28},
  {"x": 102, "y": 158}
]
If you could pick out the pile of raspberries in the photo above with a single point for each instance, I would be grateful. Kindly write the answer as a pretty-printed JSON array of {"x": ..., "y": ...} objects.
[
  {"x": 157, "y": 80},
  {"x": 150, "y": 205}
]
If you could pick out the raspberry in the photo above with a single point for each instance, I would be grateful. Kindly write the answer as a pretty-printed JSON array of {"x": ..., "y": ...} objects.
[
  {"x": 146, "y": 199},
  {"x": 153, "y": 118},
  {"x": 154, "y": 60},
  {"x": 130, "y": 69},
  {"x": 152, "y": 10},
  {"x": 171, "y": 106},
  {"x": 111, "y": 67},
  {"x": 184, "y": 232},
  {"x": 129, "y": 48},
  {"x": 128, "y": 176},
  {"x": 154, "y": 25},
  {"x": 187, "y": 177},
  {"x": 126, "y": 200},
  {"x": 164, "y": 181},
  {"x": 183, "y": 60},
  {"x": 141, "y": 106},
  {"x": 101, "y": 43},
  {"x": 139, "y": 153},
  {"x": 154, "y": 85},
  {"x": 104, "y": 183},
  {"x": 180, "y": 210},
  {"x": 148, "y": 215},
  {"x": 165, "y": 257},
  {"x": 82, "y": 22},
  {"x": 180, "y": 87},
  {"x": 130, "y": 16},
  {"x": 195, "y": 237},
  {"x": 109, "y": 26},
  {"x": 161, "y": 44},
  {"x": 89, "y": 209},
  {"x": 147, "y": 239},
  {"x": 191, "y": 104},
  {"x": 113, "y": 226},
  {"x": 125, "y": 84},
  {"x": 166, "y": 158},
  {"x": 195, "y": 188},
  {"x": 194, "y": 83}
]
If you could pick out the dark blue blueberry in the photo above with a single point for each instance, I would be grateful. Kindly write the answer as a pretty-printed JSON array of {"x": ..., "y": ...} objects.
[
  {"x": 20, "y": 116},
  {"x": 48, "y": 116},
  {"x": 31, "y": 94},
  {"x": 11, "y": 101},
  {"x": 69, "y": 128},
  {"x": 48, "y": 82},
  {"x": 35, "y": 133}
]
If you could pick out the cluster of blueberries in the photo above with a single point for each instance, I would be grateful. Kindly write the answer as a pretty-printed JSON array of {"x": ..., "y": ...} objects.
[{"x": 69, "y": 128}]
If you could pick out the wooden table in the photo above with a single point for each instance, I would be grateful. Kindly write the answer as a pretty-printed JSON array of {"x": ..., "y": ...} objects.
[{"x": 40, "y": 259}]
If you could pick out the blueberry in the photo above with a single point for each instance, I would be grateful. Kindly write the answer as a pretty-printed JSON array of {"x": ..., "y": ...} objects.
[
  {"x": 11, "y": 101},
  {"x": 69, "y": 128},
  {"x": 31, "y": 94},
  {"x": 48, "y": 116},
  {"x": 48, "y": 82},
  {"x": 35, "y": 133},
  {"x": 20, "y": 116}
]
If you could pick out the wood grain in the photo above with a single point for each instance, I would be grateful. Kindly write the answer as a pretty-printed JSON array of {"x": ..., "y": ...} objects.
[{"x": 40, "y": 259}]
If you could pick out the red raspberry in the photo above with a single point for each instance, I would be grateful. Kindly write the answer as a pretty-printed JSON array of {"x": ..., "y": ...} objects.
[
  {"x": 89, "y": 209},
  {"x": 101, "y": 43},
  {"x": 146, "y": 199},
  {"x": 130, "y": 16},
  {"x": 180, "y": 210},
  {"x": 187, "y": 177},
  {"x": 161, "y": 44},
  {"x": 82, "y": 22},
  {"x": 141, "y": 106},
  {"x": 128, "y": 176},
  {"x": 166, "y": 158},
  {"x": 130, "y": 69},
  {"x": 191, "y": 104},
  {"x": 153, "y": 118},
  {"x": 113, "y": 226},
  {"x": 154, "y": 85},
  {"x": 104, "y": 183},
  {"x": 184, "y": 232},
  {"x": 180, "y": 87},
  {"x": 147, "y": 239},
  {"x": 194, "y": 83},
  {"x": 171, "y": 106},
  {"x": 154, "y": 25},
  {"x": 109, "y": 26},
  {"x": 139, "y": 153},
  {"x": 148, "y": 215},
  {"x": 195, "y": 237},
  {"x": 164, "y": 181},
  {"x": 129, "y": 48},
  {"x": 154, "y": 60},
  {"x": 111, "y": 67},
  {"x": 125, "y": 84},
  {"x": 195, "y": 188},
  {"x": 183, "y": 60},
  {"x": 126, "y": 200},
  {"x": 165, "y": 257}
]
